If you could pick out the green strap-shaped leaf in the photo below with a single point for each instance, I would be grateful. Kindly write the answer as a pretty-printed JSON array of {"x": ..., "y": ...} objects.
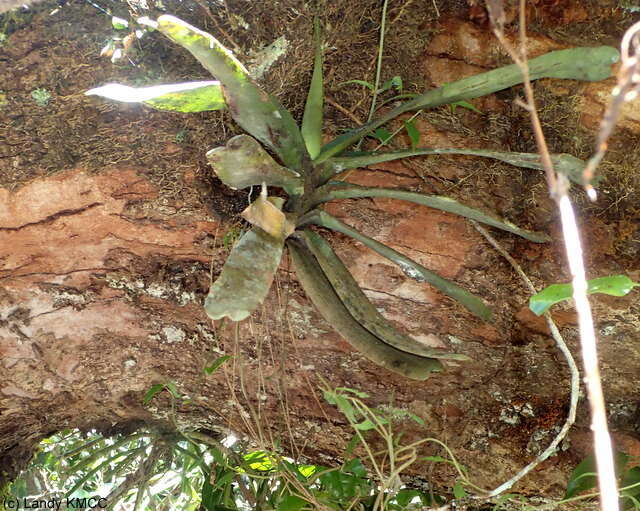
[
  {"x": 246, "y": 276},
  {"x": 323, "y": 296},
  {"x": 312, "y": 118},
  {"x": 408, "y": 266},
  {"x": 569, "y": 165},
  {"x": 243, "y": 162},
  {"x": 178, "y": 97},
  {"x": 336, "y": 190},
  {"x": 615, "y": 285},
  {"x": 591, "y": 64},
  {"x": 254, "y": 110},
  {"x": 359, "y": 306}
]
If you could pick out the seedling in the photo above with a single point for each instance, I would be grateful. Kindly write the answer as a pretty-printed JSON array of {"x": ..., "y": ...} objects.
[{"x": 41, "y": 96}]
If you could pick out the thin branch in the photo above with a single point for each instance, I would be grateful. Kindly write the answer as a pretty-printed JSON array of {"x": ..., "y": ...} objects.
[
  {"x": 342, "y": 109},
  {"x": 558, "y": 187}
]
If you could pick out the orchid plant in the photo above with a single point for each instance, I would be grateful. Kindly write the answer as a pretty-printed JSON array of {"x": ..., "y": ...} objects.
[{"x": 307, "y": 171}]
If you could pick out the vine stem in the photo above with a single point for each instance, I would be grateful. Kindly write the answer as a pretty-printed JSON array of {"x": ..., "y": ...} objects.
[{"x": 562, "y": 346}]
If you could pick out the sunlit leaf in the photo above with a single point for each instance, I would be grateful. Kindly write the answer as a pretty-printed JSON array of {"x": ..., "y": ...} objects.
[
  {"x": 308, "y": 470},
  {"x": 615, "y": 285},
  {"x": 322, "y": 294},
  {"x": 119, "y": 23},
  {"x": 338, "y": 190},
  {"x": 216, "y": 364},
  {"x": 312, "y": 118},
  {"x": 565, "y": 163},
  {"x": 408, "y": 266},
  {"x": 592, "y": 64},
  {"x": 179, "y": 97},
  {"x": 259, "y": 460},
  {"x": 243, "y": 162},
  {"x": 359, "y": 305},
  {"x": 246, "y": 276},
  {"x": 255, "y": 111}
]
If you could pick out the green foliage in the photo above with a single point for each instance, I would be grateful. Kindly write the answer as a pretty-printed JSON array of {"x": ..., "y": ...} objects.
[
  {"x": 414, "y": 134},
  {"x": 189, "y": 471},
  {"x": 169, "y": 470},
  {"x": 393, "y": 83},
  {"x": 305, "y": 166},
  {"x": 178, "y": 97},
  {"x": 41, "y": 96},
  {"x": 614, "y": 285},
  {"x": 119, "y": 23},
  {"x": 463, "y": 104},
  {"x": 217, "y": 363},
  {"x": 232, "y": 235},
  {"x": 312, "y": 120},
  {"x": 383, "y": 135},
  {"x": 182, "y": 135},
  {"x": 159, "y": 387},
  {"x": 583, "y": 478}
]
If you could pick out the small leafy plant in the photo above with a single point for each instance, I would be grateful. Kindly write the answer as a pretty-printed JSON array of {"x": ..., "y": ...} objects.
[
  {"x": 41, "y": 96},
  {"x": 306, "y": 171},
  {"x": 613, "y": 285}
]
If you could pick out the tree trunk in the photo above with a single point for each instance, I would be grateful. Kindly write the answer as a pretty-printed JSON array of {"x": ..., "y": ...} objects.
[{"x": 111, "y": 228}]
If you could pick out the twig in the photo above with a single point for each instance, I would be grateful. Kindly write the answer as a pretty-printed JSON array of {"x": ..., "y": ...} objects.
[
  {"x": 208, "y": 12},
  {"x": 558, "y": 187},
  {"x": 342, "y": 109},
  {"x": 562, "y": 346}
]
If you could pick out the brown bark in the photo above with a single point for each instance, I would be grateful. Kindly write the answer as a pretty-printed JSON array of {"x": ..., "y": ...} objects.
[{"x": 110, "y": 229}]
